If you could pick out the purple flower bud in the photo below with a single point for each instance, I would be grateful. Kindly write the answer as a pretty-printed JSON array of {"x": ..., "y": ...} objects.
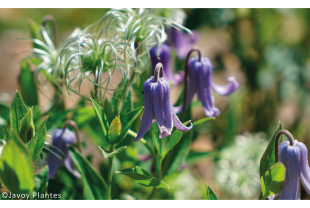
[
  {"x": 163, "y": 55},
  {"x": 200, "y": 81},
  {"x": 183, "y": 42},
  {"x": 295, "y": 160},
  {"x": 158, "y": 106},
  {"x": 60, "y": 141}
]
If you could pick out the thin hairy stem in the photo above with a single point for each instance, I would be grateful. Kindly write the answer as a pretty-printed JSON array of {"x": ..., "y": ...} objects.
[
  {"x": 290, "y": 138},
  {"x": 159, "y": 72},
  {"x": 76, "y": 129}
]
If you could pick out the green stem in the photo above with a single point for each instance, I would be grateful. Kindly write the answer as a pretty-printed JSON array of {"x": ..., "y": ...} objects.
[
  {"x": 110, "y": 175},
  {"x": 147, "y": 145}
]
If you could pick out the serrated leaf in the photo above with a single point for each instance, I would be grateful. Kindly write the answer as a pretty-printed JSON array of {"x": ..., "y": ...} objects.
[
  {"x": 272, "y": 180},
  {"x": 268, "y": 158},
  {"x": 175, "y": 138},
  {"x": 210, "y": 194},
  {"x": 35, "y": 146},
  {"x": 107, "y": 154},
  {"x": 128, "y": 121},
  {"x": 94, "y": 185},
  {"x": 102, "y": 119},
  {"x": 28, "y": 86},
  {"x": 26, "y": 131},
  {"x": 17, "y": 112},
  {"x": 16, "y": 170},
  {"x": 115, "y": 130},
  {"x": 155, "y": 136},
  {"x": 143, "y": 177}
]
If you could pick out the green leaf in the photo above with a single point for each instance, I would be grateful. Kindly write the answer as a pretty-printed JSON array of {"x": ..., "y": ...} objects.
[
  {"x": 272, "y": 180},
  {"x": 28, "y": 87},
  {"x": 102, "y": 119},
  {"x": 142, "y": 177},
  {"x": 128, "y": 106},
  {"x": 201, "y": 121},
  {"x": 115, "y": 130},
  {"x": 36, "y": 144},
  {"x": 268, "y": 158},
  {"x": 16, "y": 170},
  {"x": 5, "y": 112},
  {"x": 17, "y": 112},
  {"x": 40, "y": 182},
  {"x": 35, "y": 30},
  {"x": 155, "y": 135},
  {"x": 4, "y": 132},
  {"x": 94, "y": 185},
  {"x": 109, "y": 109},
  {"x": 128, "y": 121},
  {"x": 107, "y": 154},
  {"x": 210, "y": 194},
  {"x": 26, "y": 131}
]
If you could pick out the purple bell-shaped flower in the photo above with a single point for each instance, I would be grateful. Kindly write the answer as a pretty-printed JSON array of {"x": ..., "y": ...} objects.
[
  {"x": 163, "y": 55},
  {"x": 294, "y": 156},
  {"x": 158, "y": 106},
  {"x": 60, "y": 140},
  {"x": 199, "y": 71}
]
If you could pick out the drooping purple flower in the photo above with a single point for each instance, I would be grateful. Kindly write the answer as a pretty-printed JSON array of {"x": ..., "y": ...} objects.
[
  {"x": 200, "y": 80},
  {"x": 60, "y": 140},
  {"x": 158, "y": 107},
  {"x": 183, "y": 42},
  {"x": 295, "y": 159},
  {"x": 163, "y": 55}
]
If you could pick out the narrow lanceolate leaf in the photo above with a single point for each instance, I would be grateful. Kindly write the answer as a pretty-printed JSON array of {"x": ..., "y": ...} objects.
[
  {"x": 35, "y": 146},
  {"x": 102, "y": 119},
  {"x": 115, "y": 130},
  {"x": 107, "y": 154},
  {"x": 26, "y": 131},
  {"x": 272, "y": 180},
  {"x": 268, "y": 158},
  {"x": 28, "y": 87},
  {"x": 40, "y": 182},
  {"x": 128, "y": 121},
  {"x": 128, "y": 105},
  {"x": 175, "y": 138},
  {"x": 210, "y": 194},
  {"x": 5, "y": 112},
  {"x": 94, "y": 185},
  {"x": 16, "y": 170},
  {"x": 142, "y": 177},
  {"x": 17, "y": 112},
  {"x": 201, "y": 121},
  {"x": 155, "y": 136}
]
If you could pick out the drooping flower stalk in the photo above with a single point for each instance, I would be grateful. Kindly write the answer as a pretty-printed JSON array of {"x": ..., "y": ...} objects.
[
  {"x": 61, "y": 138},
  {"x": 294, "y": 156},
  {"x": 158, "y": 106},
  {"x": 198, "y": 78},
  {"x": 163, "y": 55}
]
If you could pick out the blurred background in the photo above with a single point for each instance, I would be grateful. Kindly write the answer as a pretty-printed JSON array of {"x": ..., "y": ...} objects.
[{"x": 267, "y": 50}]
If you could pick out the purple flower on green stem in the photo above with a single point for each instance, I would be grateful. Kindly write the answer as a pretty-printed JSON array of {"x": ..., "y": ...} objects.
[
  {"x": 199, "y": 71},
  {"x": 163, "y": 55},
  {"x": 60, "y": 141},
  {"x": 295, "y": 159},
  {"x": 158, "y": 106}
]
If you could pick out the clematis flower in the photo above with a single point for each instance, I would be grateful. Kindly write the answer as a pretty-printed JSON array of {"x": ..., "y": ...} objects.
[
  {"x": 60, "y": 140},
  {"x": 158, "y": 106},
  {"x": 183, "y": 42},
  {"x": 295, "y": 159},
  {"x": 199, "y": 71},
  {"x": 163, "y": 55}
]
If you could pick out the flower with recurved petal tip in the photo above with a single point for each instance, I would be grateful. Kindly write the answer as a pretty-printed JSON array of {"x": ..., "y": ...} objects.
[
  {"x": 200, "y": 80},
  {"x": 158, "y": 106},
  {"x": 295, "y": 159},
  {"x": 163, "y": 55},
  {"x": 60, "y": 141}
]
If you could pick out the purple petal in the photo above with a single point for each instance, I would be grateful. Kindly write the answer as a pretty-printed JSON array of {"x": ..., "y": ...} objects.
[
  {"x": 158, "y": 103},
  {"x": 70, "y": 166},
  {"x": 148, "y": 114},
  {"x": 193, "y": 38},
  {"x": 289, "y": 156},
  {"x": 144, "y": 157},
  {"x": 167, "y": 107},
  {"x": 226, "y": 89},
  {"x": 179, "y": 78},
  {"x": 178, "y": 124},
  {"x": 304, "y": 173}
]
